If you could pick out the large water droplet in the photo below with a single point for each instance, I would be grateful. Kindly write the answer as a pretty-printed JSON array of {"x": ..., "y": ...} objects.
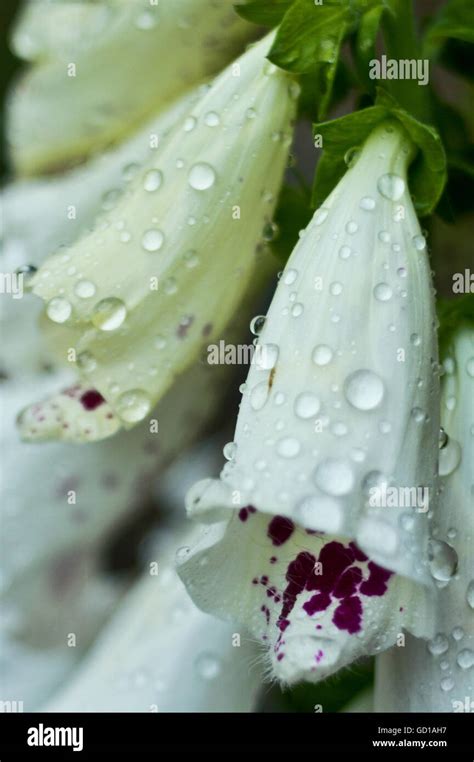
[
  {"x": 109, "y": 314},
  {"x": 335, "y": 477},
  {"x": 391, "y": 186},
  {"x": 152, "y": 239},
  {"x": 133, "y": 405},
  {"x": 449, "y": 457},
  {"x": 58, "y": 309},
  {"x": 201, "y": 176},
  {"x": 364, "y": 390},
  {"x": 307, "y": 405},
  {"x": 383, "y": 292},
  {"x": 443, "y": 560}
]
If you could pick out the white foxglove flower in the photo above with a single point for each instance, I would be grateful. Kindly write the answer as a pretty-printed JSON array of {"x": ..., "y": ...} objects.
[
  {"x": 142, "y": 293},
  {"x": 336, "y": 431},
  {"x": 101, "y": 69},
  {"x": 438, "y": 676},
  {"x": 161, "y": 654}
]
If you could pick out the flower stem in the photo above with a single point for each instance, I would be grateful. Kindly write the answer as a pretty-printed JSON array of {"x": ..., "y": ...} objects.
[{"x": 401, "y": 42}]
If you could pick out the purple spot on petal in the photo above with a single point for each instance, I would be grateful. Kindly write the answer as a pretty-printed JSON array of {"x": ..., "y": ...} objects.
[
  {"x": 376, "y": 584},
  {"x": 318, "y": 602},
  {"x": 280, "y": 530},
  {"x": 348, "y": 615},
  {"x": 91, "y": 399},
  {"x": 348, "y": 582}
]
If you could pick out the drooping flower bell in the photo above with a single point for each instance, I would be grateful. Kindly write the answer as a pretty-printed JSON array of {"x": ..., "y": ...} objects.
[
  {"x": 139, "y": 296},
  {"x": 336, "y": 438},
  {"x": 100, "y": 69},
  {"x": 437, "y": 676}
]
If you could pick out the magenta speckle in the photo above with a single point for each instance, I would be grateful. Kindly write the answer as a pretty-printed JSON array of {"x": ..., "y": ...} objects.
[
  {"x": 273, "y": 560},
  {"x": 244, "y": 513},
  {"x": 91, "y": 399},
  {"x": 376, "y": 584},
  {"x": 348, "y": 615},
  {"x": 280, "y": 530}
]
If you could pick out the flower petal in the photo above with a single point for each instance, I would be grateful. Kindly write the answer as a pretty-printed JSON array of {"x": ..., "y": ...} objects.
[{"x": 89, "y": 95}]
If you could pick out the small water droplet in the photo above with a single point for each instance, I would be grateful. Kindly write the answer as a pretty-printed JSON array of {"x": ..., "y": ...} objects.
[
  {"x": 59, "y": 309},
  {"x": 250, "y": 113},
  {"x": 288, "y": 447},
  {"x": 230, "y": 450},
  {"x": 182, "y": 553},
  {"x": 384, "y": 236},
  {"x": 439, "y": 645},
  {"x": 391, "y": 186},
  {"x": 132, "y": 406},
  {"x": 447, "y": 684},
  {"x": 212, "y": 119},
  {"x": 449, "y": 457},
  {"x": 109, "y": 314},
  {"x": 320, "y": 215},
  {"x": 86, "y": 361},
  {"x": 345, "y": 252},
  {"x": 364, "y": 390},
  {"x": 297, "y": 310},
  {"x": 84, "y": 289},
  {"x": 351, "y": 227},
  {"x": 367, "y": 203},
  {"x": 465, "y": 658},
  {"x": 335, "y": 477},
  {"x": 256, "y": 324},
  {"x": 443, "y": 560},
  {"x": 383, "y": 292},
  {"x": 208, "y": 666},
  {"x": 201, "y": 176},
  {"x": 259, "y": 395},
  {"x": 419, "y": 242},
  {"x": 335, "y": 288},
  {"x": 289, "y": 277},
  {"x": 153, "y": 180},
  {"x": 322, "y": 355},
  {"x": 189, "y": 123},
  {"x": 270, "y": 231}
]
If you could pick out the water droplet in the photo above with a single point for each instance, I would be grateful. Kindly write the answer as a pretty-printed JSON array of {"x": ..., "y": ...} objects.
[
  {"x": 59, "y": 309},
  {"x": 189, "y": 123},
  {"x": 212, "y": 119},
  {"x": 439, "y": 645},
  {"x": 352, "y": 227},
  {"x": 183, "y": 552},
  {"x": 345, "y": 252},
  {"x": 250, "y": 113},
  {"x": 364, "y": 390},
  {"x": 418, "y": 415},
  {"x": 443, "y": 438},
  {"x": 470, "y": 594},
  {"x": 256, "y": 324},
  {"x": 458, "y": 633},
  {"x": 307, "y": 405},
  {"x": 259, "y": 395},
  {"x": 86, "y": 361},
  {"x": 320, "y": 513},
  {"x": 447, "y": 684},
  {"x": 146, "y": 20},
  {"x": 367, "y": 203},
  {"x": 191, "y": 259},
  {"x": 335, "y": 477},
  {"x": 443, "y": 560},
  {"x": 465, "y": 658},
  {"x": 335, "y": 288},
  {"x": 449, "y": 457},
  {"x": 322, "y": 355},
  {"x": 383, "y": 292},
  {"x": 170, "y": 286},
  {"x": 84, "y": 289},
  {"x": 153, "y": 180},
  {"x": 270, "y": 231},
  {"x": 267, "y": 356},
  {"x": 320, "y": 215},
  {"x": 27, "y": 273},
  {"x": 132, "y": 406},
  {"x": 419, "y": 242},
  {"x": 289, "y": 277},
  {"x": 109, "y": 314},
  {"x": 201, "y": 176},
  {"x": 230, "y": 450},
  {"x": 288, "y": 447},
  {"x": 208, "y": 666},
  {"x": 384, "y": 236},
  {"x": 391, "y": 186},
  {"x": 351, "y": 156},
  {"x": 297, "y": 309}
]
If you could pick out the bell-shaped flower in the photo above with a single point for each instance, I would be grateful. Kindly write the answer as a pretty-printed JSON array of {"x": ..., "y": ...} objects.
[
  {"x": 101, "y": 69},
  {"x": 437, "y": 676},
  {"x": 163, "y": 273},
  {"x": 159, "y": 653},
  {"x": 336, "y": 439}
]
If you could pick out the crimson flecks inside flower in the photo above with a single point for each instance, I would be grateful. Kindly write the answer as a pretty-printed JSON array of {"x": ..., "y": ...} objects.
[{"x": 315, "y": 602}]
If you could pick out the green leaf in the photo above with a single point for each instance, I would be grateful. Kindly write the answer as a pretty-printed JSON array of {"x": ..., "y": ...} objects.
[
  {"x": 311, "y": 34},
  {"x": 265, "y": 12},
  {"x": 365, "y": 42},
  {"x": 454, "y": 20},
  {"x": 293, "y": 214},
  {"x": 427, "y": 174},
  {"x": 452, "y": 313}
]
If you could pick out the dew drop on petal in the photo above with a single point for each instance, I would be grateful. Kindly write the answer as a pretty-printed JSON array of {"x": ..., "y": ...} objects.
[
  {"x": 189, "y": 123},
  {"x": 132, "y": 406},
  {"x": 84, "y": 289},
  {"x": 289, "y": 277},
  {"x": 335, "y": 477},
  {"x": 439, "y": 645},
  {"x": 320, "y": 215},
  {"x": 383, "y": 292},
  {"x": 470, "y": 594},
  {"x": 384, "y": 236},
  {"x": 288, "y": 447},
  {"x": 58, "y": 309},
  {"x": 367, "y": 203},
  {"x": 345, "y": 252},
  {"x": 229, "y": 450},
  {"x": 443, "y": 560},
  {"x": 109, "y": 314},
  {"x": 364, "y": 390},
  {"x": 335, "y": 288},
  {"x": 259, "y": 395},
  {"x": 212, "y": 119},
  {"x": 322, "y": 355},
  {"x": 352, "y": 227},
  {"x": 391, "y": 186},
  {"x": 153, "y": 180},
  {"x": 256, "y": 324},
  {"x": 465, "y": 658},
  {"x": 152, "y": 239},
  {"x": 86, "y": 361},
  {"x": 208, "y": 666},
  {"x": 419, "y": 242},
  {"x": 307, "y": 405},
  {"x": 449, "y": 457},
  {"x": 201, "y": 176},
  {"x": 267, "y": 356},
  {"x": 320, "y": 513}
]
